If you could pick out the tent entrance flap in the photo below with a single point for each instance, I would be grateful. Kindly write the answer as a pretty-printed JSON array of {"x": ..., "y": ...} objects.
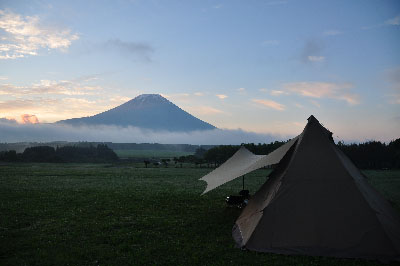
[{"x": 243, "y": 162}]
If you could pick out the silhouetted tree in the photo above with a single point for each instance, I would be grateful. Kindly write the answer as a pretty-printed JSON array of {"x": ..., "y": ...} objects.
[
  {"x": 373, "y": 154},
  {"x": 220, "y": 154},
  {"x": 199, "y": 153},
  {"x": 40, "y": 154},
  {"x": 10, "y": 156},
  {"x": 87, "y": 154}
]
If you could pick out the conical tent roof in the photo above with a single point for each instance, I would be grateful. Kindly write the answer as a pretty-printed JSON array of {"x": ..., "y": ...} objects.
[{"x": 316, "y": 202}]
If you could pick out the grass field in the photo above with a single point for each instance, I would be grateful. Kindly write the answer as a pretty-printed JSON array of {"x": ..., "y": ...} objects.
[
  {"x": 87, "y": 214},
  {"x": 150, "y": 153}
]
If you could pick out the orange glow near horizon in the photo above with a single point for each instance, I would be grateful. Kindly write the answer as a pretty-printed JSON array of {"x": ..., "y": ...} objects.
[{"x": 29, "y": 119}]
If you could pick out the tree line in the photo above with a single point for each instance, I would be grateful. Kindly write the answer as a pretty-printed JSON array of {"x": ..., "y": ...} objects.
[
  {"x": 66, "y": 154},
  {"x": 373, "y": 154},
  {"x": 367, "y": 155},
  {"x": 217, "y": 155}
]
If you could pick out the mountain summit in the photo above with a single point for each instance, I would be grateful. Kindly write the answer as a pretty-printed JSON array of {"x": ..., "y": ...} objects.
[{"x": 149, "y": 111}]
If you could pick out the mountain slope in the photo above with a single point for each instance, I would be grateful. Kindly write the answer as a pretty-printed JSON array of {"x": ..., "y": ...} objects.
[{"x": 149, "y": 111}]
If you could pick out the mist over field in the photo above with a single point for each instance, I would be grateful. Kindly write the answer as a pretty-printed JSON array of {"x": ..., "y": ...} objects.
[{"x": 13, "y": 132}]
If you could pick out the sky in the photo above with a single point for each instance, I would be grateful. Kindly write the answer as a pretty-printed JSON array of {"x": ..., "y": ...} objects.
[{"x": 256, "y": 66}]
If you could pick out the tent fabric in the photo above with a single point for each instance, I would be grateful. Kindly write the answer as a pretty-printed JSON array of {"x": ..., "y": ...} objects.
[
  {"x": 243, "y": 162},
  {"x": 316, "y": 202}
]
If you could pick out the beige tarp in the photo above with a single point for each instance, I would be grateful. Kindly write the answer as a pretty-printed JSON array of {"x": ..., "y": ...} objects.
[{"x": 243, "y": 162}]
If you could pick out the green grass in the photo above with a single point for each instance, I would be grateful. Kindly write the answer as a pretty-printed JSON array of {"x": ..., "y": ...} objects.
[
  {"x": 150, "y": 153},
  {"x": 387, "y": 183},
  {"x": 86, "y": 214}
]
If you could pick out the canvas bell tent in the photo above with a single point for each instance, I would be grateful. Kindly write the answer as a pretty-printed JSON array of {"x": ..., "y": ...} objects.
[{"x": 315, "y": 202}]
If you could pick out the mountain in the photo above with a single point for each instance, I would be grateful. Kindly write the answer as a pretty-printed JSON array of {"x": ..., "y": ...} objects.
[{"x": 149, "y": 111}]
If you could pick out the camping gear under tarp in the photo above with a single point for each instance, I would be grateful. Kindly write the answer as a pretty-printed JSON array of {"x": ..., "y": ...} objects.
[
  {"x": 243, "y": 162},
  {"x": 316, "y": 202}
]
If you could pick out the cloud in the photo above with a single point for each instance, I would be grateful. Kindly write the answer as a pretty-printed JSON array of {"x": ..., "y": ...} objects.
[
  {"x": 390, "y": 22},
  {"x": 12, "y": 132},
  {"x": 332, "y": 32},
  {"x": 179, "y": 97},
  {"x": 324, "y": 90},
  {"x": 393, "y": 21},
  {"x": 79, "y": 101},
  {"x": 313, "y": 58},
  {"x": 204, "y": 110},
  {"x": 315, "y": 103},
  {"x": 263, "y": 90},
  {"x": 29, "y": 119},
  {"x": 222, "y": 96},
  {"x": 298, "y": 124},
  {"x": 270, "y": 104},
  {"x": 278, "y": 92},
  {"x": 137, "y": 50},
  {"x": 119, "y": 99},
  {"x": 16, "y": 105},
  {"x": 312, "y": 52},
  {"x": 311, "y": 89},
  {"x": 351, "y": 99},
  {"x": 242, "y": 91},
  {"x": 51, "y": 108},
  {"x": 63, "y": 87},
  {"x": 56, "y": 100},
  {"x": 3, "y": 78},
  {"x": 54, "y": 109},
  {"x": 199, "y": 94},
  {"x": 25, "y": 36}
]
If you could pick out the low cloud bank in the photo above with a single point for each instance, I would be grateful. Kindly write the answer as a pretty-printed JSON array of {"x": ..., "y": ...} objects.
[{"x": 13, "y": 132}]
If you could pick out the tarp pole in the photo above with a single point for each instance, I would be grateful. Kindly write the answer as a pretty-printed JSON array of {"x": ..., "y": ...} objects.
[{"x": 243, "y": 182}]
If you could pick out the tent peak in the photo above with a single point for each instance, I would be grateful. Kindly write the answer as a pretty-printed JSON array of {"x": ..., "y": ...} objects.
[{"x": 312, "y": 118}]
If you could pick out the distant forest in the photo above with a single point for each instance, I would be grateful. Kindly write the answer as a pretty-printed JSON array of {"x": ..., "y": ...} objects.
[
  {"x": 373, "y": 154},
  {"x": 19, "y": 147},
  {"x": 67, "y": 154},
  {"x": 367, "y": 155}
]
